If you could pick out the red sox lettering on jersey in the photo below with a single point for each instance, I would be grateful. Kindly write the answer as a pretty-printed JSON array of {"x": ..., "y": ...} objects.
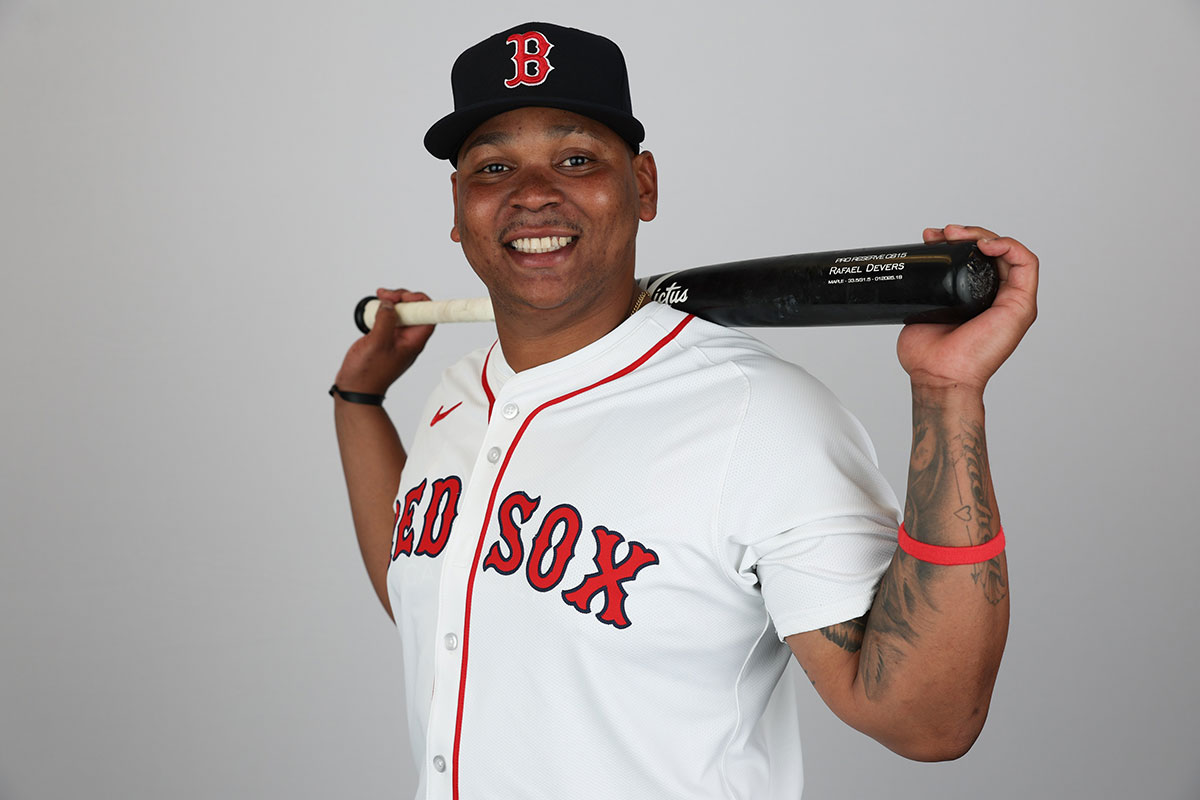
[
  {"x": 532, "y": 48},
  {"x": 506, "y": 555},
  {"x": 443, "y": 508}
]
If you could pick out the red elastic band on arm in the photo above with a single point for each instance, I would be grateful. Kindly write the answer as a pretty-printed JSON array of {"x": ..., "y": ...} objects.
[{"x": 951, "y": 556}]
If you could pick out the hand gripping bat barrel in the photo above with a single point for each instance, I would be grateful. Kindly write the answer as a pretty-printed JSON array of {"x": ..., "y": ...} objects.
[{"x": 948, "y": 282}]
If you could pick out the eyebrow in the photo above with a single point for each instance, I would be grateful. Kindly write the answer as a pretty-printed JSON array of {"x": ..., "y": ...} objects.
[
  {"x": 562, "y": 131},
  {"x": 495, "y": 137},
  {"x": 503, "y": 137}
]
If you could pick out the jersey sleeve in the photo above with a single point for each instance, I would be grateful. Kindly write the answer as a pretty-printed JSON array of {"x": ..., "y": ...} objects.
[{"x": 804, "y": 512}]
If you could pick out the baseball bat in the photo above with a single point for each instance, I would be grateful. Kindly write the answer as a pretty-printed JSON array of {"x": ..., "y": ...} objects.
[{"x": 947, "y": 282}]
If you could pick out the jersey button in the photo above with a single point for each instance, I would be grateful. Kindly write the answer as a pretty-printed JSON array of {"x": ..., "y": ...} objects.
[
  {"x": 493, "y": 455},
  {"x": 439, "y": 763},
  {"x": 451, "y": 641},
  {"x": 510, "y": 410}
]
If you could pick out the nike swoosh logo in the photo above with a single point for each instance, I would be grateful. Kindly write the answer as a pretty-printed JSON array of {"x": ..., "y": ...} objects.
[{"x": 440, "y": 415}]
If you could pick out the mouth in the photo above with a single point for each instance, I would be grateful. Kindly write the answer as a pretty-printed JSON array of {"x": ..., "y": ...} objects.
[{"x": 543, "y": 244}]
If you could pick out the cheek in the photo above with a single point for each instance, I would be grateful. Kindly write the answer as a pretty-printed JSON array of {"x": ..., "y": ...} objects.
[
  {"x": 472, "y": 227},
  {"x": 471, "y": 210},
  {"x": 617, "y": 206}
]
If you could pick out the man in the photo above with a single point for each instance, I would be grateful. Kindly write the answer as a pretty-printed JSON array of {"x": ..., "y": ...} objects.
[{"x": 618, "y": 523}]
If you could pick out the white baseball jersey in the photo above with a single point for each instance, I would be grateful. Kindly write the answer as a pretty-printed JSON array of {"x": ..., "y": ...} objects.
[{"x": 595, "y": 562}]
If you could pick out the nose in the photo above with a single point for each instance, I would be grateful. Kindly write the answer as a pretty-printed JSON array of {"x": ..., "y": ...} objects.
[{"x": 535, "y": 189}]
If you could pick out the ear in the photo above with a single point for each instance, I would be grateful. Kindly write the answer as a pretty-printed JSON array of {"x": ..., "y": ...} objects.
[
  {"x": 454, "y": 237},
  {"x": 645, "y": 172}
]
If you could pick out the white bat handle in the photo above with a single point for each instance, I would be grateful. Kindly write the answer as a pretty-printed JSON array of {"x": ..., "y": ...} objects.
[{"x": 432, "y": 312}]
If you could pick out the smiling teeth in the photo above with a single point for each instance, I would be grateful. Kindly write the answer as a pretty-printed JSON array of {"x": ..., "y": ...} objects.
[{"x": 546, "y": 244}]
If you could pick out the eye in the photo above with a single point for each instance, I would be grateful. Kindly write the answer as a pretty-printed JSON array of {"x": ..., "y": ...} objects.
[
  {"x": 575, "y": 161},
  {"x": 493, "y": 169}
]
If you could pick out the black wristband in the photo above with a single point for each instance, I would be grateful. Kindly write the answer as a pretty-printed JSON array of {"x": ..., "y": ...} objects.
[{"x": 356, "y": 397}]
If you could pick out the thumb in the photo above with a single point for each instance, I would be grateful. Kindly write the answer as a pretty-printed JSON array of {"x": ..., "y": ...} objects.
[{"x": 385, "y": 319}]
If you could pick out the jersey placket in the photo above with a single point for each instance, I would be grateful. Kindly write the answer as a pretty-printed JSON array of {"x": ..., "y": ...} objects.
[{"x": 475, "y": 513}]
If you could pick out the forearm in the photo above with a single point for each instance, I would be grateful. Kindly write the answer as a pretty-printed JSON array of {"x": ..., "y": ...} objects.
[
  {"x": 372, "y": 460},
  {"x": 917, "y": 671},
  {"x": 935, "y": 634}
]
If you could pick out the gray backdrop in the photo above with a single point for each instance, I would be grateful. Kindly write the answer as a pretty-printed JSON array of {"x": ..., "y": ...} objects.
[{"x": 194, "y": 194}]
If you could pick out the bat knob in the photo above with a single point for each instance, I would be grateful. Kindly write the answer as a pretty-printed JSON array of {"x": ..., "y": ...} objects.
[
  {"x": 360, "y": 311},
  {"x": 979, "y": 281}
]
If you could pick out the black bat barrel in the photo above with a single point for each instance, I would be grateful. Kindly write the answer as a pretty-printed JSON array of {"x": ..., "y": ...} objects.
[{"x": 945, "y": 282}]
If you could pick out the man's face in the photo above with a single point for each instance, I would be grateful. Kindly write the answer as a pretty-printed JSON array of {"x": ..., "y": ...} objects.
[{"x": 538, "y": 174}]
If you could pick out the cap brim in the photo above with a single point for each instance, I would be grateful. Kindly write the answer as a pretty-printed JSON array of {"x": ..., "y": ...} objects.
[{"x": 449, "y": 133}]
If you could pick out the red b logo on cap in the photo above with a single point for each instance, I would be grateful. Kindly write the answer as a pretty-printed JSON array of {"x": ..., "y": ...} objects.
[{"x": 530, "y": 58}]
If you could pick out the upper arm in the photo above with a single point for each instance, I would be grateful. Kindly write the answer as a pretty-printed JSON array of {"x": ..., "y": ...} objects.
[{"x": 830, "y": 659}]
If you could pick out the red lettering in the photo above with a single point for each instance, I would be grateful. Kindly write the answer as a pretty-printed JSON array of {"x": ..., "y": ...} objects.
[
  {"x": 510, "y": 533},
  {"x": 530, "y": 59},
  {"x": 610, "y": 577},
  {"x": 443, "y": 505},
  {"x": 402, "y": 533},
  {"x": 567, "y": 517}
]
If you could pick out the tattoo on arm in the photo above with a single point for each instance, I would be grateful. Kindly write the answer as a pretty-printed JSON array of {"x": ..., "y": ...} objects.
[
  {"x": 902, "y": 597},
  {"x": 847, "y": 635},
  {"x": 948, "y": 495},
  {"x": 988, "y": 574}
]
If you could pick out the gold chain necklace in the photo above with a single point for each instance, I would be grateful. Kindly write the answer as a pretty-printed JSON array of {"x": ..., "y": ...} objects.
[{"x": 641, "y": 298}]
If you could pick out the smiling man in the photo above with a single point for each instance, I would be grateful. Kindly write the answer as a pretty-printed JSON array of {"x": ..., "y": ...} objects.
[
  {"x": 546, "y": 206},
  {"x": 617, "y": 524}
]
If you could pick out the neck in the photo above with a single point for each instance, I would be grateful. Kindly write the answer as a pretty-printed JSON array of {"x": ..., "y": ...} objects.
[{"x": 535, "y": 337}]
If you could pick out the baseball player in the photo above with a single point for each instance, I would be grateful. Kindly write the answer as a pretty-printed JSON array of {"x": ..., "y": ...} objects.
[{"x": 617, "y": 523}]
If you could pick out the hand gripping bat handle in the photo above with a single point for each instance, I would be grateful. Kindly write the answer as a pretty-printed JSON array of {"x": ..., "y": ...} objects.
[{"x": 426, "y": 312}]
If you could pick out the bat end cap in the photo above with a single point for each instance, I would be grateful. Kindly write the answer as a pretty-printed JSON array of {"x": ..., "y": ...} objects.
[{"x": 360, "y": 311}]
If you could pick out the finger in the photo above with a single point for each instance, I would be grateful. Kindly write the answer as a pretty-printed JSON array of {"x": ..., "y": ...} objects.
[
  {"x": 933, "y": 235},
  {"x": 964, "y": 233},
  {"x": 400, "y": 295},
  {"x": 1015, "y": 262},
  {"x": 406, "y": 336},
  {"x": 394, "y": 295},
  {"x": 387, "y": 300}
]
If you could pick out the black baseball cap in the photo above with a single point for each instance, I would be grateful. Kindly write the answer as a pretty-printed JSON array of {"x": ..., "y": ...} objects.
[{"x": 536, "y": 64}]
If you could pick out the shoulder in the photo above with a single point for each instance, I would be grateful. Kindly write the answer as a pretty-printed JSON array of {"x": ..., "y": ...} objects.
[
  {"x": 770, "y": 382},
  {"x": 776, "y": 410}
]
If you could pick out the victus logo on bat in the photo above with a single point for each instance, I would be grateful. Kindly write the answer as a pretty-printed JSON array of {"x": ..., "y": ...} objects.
[
  {"x": 543, "y": 560},
  {"x": 670, "y": 294}
]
